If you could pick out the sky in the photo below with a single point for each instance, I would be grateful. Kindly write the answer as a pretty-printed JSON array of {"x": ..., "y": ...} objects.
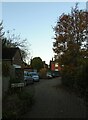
[{"x": 34, "y": 21}]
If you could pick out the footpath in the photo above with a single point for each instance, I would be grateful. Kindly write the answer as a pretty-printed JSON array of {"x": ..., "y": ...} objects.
[{"x": 55, "y": 102}]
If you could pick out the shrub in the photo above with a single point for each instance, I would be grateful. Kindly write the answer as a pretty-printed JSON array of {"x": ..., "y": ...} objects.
[
  {"x": 11, "y": 106},
  {"x": 76, "y": 77},
  {"x": 68, "y": 75},
  {"x": 82, "y": 76},
  {"x": 15, "y": 105},
  {"x": 5, "y": 69},
  {"x": 43, "y": 72}
]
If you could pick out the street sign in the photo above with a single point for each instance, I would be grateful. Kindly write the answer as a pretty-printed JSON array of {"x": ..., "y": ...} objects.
[{"x": 17, "y": 85}]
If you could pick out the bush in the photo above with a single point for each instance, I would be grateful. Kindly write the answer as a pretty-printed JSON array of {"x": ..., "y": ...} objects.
[
  {"x": 68, "y": 75},
  {"x": 13, "y": 80},
  {"x": 76, "y": 77},
  {"x": 15, "y": 105},
  {"x": 11, "y": 107},
  {"x": 43, "y": 72},
  {"x": 81, "y": 77},
  {"x": 5, "y": 69}
]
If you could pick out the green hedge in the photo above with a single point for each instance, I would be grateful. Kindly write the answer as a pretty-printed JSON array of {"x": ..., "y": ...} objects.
[
  {"x": 68, "y": 75},
  {"x": 76, "y": 77}
]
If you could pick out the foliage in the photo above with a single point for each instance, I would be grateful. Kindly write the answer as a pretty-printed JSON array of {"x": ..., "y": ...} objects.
[
  {"x": 68, "y": 73},
  {"x": 81, "y": 75},
  {"x": 1, "y": 30},
  {"x": 14, "y": 80},
  {"x": 70, "y": 31},
  {"x": 37, "y": 63},
  {"x": 71, "y": 47},
  {"x": 15, "y": 105},
  {"x": 13, "y": 40},
  {"x": 43, "y": 72},
  {"x": 5, "y": 69}
]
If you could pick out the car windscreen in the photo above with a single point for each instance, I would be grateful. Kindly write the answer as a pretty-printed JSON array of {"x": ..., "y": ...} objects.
[{"x": 33, "y": 74}]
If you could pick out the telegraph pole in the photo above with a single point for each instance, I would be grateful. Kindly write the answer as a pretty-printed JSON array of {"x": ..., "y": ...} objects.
[{"x": 87, "y": 23}]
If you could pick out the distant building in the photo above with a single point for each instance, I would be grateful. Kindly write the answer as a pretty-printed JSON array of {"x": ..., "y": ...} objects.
[
  {"x": 45, "y": 65},
  {"x": 55, "y": 66},
  {"x": 27, "y": 67}
]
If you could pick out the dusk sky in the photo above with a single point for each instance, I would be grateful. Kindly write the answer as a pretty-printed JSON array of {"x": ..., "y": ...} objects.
[{"x": 34, "y": 21}]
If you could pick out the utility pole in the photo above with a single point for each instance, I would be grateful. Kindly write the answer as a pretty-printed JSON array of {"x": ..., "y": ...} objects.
[{"x": 87, "y": 23}]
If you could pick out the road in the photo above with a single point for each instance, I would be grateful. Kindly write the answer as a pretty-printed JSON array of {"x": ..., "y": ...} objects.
[{"x": 55, "y": 102}]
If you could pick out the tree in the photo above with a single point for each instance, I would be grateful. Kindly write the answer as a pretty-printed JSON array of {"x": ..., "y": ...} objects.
[
  {"x": 36, "y": 63},
  {"x": 1, "y": 30},
  {"x": 70, "y": 33},
  {"x": 43, "y": 72},
  {"x": 2, "y": 41},
  {"x": 71, "y": 46},
  {"x": 13, "y": 40}
]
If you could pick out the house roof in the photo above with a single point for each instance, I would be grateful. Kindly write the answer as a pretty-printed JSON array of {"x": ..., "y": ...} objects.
[{"x": 8, "y": 53}]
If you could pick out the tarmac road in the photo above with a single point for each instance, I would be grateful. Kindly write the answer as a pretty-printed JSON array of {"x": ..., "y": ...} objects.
[{"x": 53, "y": 102}]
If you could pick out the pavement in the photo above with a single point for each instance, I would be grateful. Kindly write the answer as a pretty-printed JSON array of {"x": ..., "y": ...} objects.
[
  {"x": 55, "y": 102},
  {"x": 0, "y": 97}
]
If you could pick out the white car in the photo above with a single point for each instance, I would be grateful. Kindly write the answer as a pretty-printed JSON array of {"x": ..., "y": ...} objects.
[
  {"x": 48, "y": 75},
  {"x": 35, "y": 76},
  {"x": 27, "y": 78}
]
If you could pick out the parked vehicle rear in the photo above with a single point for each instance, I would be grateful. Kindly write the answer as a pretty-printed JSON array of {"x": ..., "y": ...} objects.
[
  {"x": 35, "y": 76},
  {"x": 28, "y": 78},
  {"x": 49, "y": 75}
]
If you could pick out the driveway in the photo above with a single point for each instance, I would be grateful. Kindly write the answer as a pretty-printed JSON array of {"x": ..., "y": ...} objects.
[{"x": 55, "y": 102}]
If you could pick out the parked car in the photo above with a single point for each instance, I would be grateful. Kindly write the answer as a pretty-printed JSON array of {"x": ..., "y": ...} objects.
[
  {"x": 35, "y": 76},
  {"x": 28, "y": 78},
  {"x": 49, "y": 75},
  {"x": 55, "y": 74}
]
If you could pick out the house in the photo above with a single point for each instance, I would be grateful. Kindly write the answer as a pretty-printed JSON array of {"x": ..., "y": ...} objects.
[
  {"x": 54, "y": 66},
  {"x": 12, "y": 67},
  {"x": 45, "y": 65},
  {"x": 27, "y": 67},
  {"x": 12, "y": 56}
]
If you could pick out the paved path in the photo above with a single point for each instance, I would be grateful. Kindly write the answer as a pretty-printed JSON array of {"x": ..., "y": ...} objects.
[
  {"x": 53, "y": 102},
  {"x": 0, "y": 95}
]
